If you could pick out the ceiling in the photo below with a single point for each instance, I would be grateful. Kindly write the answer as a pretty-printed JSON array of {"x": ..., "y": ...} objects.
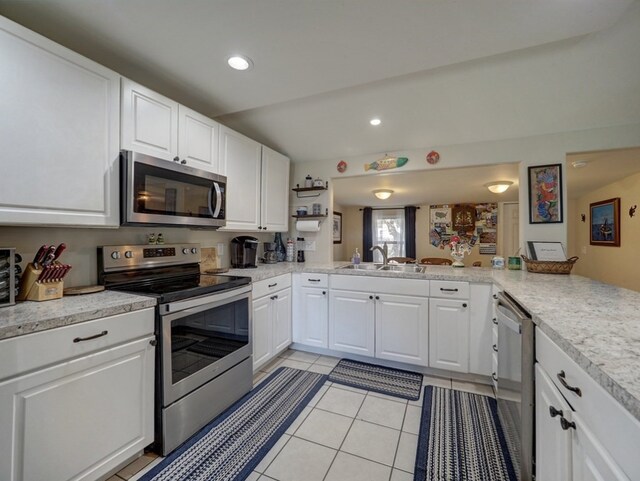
[
  {"x": 428, "y": 187},
  {"x": 436, "y": 72},
  {"x": 603, "y": 168}
]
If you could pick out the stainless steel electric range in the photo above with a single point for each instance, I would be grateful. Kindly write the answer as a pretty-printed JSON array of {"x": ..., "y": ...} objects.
[{"x": 203, "y": 326}]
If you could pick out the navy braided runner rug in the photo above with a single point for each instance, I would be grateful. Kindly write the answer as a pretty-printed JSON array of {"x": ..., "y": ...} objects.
[
  {"x": 461, "y": 439},
  {"x": 385, "y": 380},
  {"x": 232, "y": 445}
]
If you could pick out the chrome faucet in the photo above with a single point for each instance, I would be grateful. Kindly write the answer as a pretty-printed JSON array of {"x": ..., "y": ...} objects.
[{"x": 384, "y": 250}]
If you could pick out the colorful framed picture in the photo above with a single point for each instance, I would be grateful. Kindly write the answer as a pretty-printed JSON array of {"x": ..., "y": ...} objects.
[
  {"x": 545, "y": 194},
  {"x": 337, "y": 228},
  {"x": 605, "y": 223}
]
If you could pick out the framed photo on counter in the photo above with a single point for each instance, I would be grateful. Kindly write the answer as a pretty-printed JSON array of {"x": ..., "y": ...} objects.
[
  {"x": 546, "y": 251},
  {"x": 545, "y": 194},
  {"x": 604, "y": 221},
  {"x": 337, "y": 228}
]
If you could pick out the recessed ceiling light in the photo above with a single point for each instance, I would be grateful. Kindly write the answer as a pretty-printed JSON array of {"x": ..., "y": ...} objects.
[
  {"x": 499, "y": 186},
  {"x": 375, "y": 121},
  {"x": 240, "y": 62},
  {"x": 578, "y": 164}
]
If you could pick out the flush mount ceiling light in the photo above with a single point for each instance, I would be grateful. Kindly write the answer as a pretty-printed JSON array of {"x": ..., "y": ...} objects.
[
  {"x": 382, "y": 194},
  {"x": 240, "y": 62},
  {"x": 375, "y": 121},
  {"x": 499, "y": 186},
  {"x": 578, "y": 164}
]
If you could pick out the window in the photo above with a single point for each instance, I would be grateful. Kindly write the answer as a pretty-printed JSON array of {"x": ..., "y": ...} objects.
[{"x": 388, "y": 226}]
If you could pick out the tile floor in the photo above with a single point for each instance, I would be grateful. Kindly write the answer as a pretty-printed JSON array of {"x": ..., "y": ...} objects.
[{"x": 344, "y": 433}]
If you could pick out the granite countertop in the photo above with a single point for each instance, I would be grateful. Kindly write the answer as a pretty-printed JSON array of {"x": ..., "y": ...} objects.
[
  {"x": 596, "y": 324},
  {"x": 30, "y": 316}
]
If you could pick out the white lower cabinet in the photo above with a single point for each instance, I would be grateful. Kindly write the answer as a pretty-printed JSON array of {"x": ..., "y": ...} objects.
[
  {"x": 402, "y": 328},
  {"x": 271, "y": 323},
  {"x": 82, "y": 417},
  {"x": 449, "y": 334},
  {"x": 311, "y": 323},
  {"x": 352, "y": 322}
]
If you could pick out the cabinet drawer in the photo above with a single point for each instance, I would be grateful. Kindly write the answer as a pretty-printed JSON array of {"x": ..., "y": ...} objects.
[
  {"x": 314, "y": 280},
  {"x": 617, "y": 430},
  {"x": 273, "y": 284},
  {"x": 449, "y": 289},
  {"x": 32, "y": 351},
  {"x": 383, "y": 285}
]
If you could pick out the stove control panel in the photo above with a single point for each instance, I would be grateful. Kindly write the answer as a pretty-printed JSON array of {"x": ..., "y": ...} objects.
[{"x": 136, "y": 256}]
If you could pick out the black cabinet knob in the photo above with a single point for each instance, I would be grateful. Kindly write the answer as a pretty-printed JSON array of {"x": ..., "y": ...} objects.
[
  {"x": 370, "y": 297},
  {"x": 464, "y": 304},
  {"x": 564, "y": 424},
  {"x": 377, "y": 298},
  {"x": 176, "y": 159},
  {"x": 553, "y": 412},
  {"x": 183, "y": 161}
]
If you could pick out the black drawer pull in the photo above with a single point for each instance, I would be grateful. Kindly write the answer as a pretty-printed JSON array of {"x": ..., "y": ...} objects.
[
  {"x": 449, "y": 290},
  {"x": 562, "y": 378},
  {"x": 313, "y": 280},
  {"x": 274, "y": 297},
  {"x": 273, "y": 285},
  {"x": 494, "y": 377},
  {"x": 553, "y": 412},
  {"x": 566, "y": 424},
  {"x": 80, "y": 339},
  {"x": 495, "y": 320},
  {"x": 495, "y": 348}
]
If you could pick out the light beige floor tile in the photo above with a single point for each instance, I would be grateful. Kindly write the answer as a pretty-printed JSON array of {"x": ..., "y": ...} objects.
[
  {"x": 406, "y": 455},
  {"x": 350, "y": 388},
  {"x": 320, "y": 368},
  {"x": 382, "y": 411},
  {"x": 397, "y": 475},
  {"x": 254, "y": 476},
  {"x": 136, "y": 466},
  {"x": 148, "y": 468},
  {"x": 371, "y": 441},
  {"x": 301, "y": 460},
  {"x": 273, "y": 452},
  {"x": 436, "y": 381},
  {"x": 272, "y": 366},
  {"x": 114, "y": 478},
  {"x": 340, "y": 401},
  {"x": 287, "y": 353},
  {"x": 299, "y": 420},
  {"x": 304, "y": 356},
  {"x": 266, "y": 478},
  {"x": 288, "y": 362},
  {"x": 324, "y": 427},
  {"x": 352, "y": 468},
  {"x": 473, "y": 387},
  {"x": 328, "y": 361},
  {"x": 412, "y": 419},
  {"x": 257, "y": 377},
  {"x": 318, "y": 396},
  {"x": 389, "y": 397}
]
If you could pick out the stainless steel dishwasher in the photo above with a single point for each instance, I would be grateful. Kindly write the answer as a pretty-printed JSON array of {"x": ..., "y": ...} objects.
[{"x": 515, "y": 393}]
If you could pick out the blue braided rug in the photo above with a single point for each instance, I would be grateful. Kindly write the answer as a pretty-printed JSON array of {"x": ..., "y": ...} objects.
[
  {"x": 232, "y": 445},
  {"x": 461, "y": 439}
]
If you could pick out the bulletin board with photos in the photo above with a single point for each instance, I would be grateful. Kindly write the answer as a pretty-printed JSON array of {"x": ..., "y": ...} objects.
[{"x": 475, "y": 224}]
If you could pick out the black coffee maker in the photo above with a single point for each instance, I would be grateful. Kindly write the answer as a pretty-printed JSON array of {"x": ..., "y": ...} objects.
[{"x": 244, "y": 252}]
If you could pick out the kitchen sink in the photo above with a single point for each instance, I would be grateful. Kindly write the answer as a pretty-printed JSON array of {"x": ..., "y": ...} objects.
[
  {"x": 363, "y": 267},
  {"x": 388, "y": 267}
]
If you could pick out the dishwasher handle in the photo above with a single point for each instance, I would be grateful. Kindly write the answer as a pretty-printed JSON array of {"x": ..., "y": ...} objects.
[{"x": 509, "y": 305}]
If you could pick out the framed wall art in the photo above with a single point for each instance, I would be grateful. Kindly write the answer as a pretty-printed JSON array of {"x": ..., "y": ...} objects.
[
  {"x": 605, "y": 223},
  {"x": 337, "y": 228},
  {"x": 545, "y": 194}
]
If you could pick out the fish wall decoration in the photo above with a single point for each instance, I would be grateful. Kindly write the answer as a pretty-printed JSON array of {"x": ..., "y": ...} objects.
[{"x": 386, "y": 163}]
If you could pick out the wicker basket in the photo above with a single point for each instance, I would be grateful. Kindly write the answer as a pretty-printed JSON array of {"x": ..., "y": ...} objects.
[{"x": 549, "y": 267}]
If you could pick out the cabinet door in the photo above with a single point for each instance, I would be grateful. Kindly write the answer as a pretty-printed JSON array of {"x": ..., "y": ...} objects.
[
  {"x": 402, "y": 328},
  {"x": 79, "y": 419},
  {"x": 149, "y": 122},
  {"x": 449, "y": 334},
  {"x": 197, "y": 140},
  {"x": 59, "y": 134},
  {"x": 262, "y": 331},
  {"x": 312, "y": 323},
  {"x": 480, "y": 329},
  {"x": 553, "y": 444},
  {"x": 274, "y": 212},
  {"x": 240, "y": 160},
  {"x": 352, "y": 322},
  {"x": 591, "y": 461},
  {"x": 281, "y": 320}
]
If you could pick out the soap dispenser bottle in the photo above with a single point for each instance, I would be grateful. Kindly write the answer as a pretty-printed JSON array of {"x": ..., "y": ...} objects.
[{"x": 356, "y": 257}]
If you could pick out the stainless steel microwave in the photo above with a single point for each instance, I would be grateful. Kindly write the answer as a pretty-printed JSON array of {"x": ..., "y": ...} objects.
[{"x": 158, "y": 192}]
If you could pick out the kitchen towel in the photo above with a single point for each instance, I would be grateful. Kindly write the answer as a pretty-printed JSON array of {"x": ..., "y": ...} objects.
[{"x": 308, "y": 225}]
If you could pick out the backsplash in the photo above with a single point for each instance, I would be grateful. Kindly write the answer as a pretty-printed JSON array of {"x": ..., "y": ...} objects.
[{"x": 81, "y": 243}]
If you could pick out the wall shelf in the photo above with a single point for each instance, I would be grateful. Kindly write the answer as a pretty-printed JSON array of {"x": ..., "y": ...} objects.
[
  {"x": 319, "y": 216},
  {"x": 312, "y": 191}
]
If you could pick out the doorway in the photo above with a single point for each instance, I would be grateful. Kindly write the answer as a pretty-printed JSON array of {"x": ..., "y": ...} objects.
[{"x": 510, "y": 228}]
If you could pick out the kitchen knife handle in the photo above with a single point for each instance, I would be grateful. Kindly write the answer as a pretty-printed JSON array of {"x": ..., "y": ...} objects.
[{"x": 59, "y": 250}]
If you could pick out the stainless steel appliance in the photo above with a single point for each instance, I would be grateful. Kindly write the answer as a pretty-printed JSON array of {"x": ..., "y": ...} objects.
[
  {"x": 515, "y": 393},
  {"x": 8, "y": 273},
  {"x": 270, "y": 254},
  {"x": 244, "y": 252},
  {"x": 158, "y": 192},
  {"x": 203, "y": 325}
]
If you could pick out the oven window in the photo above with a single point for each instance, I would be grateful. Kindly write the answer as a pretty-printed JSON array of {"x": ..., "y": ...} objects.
[
  {"x": 164, "y": 192},
  {"x": 201, "y": 339}
]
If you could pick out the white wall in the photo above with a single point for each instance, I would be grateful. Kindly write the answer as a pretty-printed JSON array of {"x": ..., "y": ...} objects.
[{"x": 537, "y": 150}]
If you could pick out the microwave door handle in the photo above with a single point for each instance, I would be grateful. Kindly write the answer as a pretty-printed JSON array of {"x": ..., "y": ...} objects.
[{"x": 214, "y": 208}]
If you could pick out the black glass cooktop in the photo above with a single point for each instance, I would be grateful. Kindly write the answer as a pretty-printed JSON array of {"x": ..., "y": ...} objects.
[{"x": 174, "y": 289}]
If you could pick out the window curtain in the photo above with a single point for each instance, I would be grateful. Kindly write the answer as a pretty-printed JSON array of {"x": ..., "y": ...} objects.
[
  {"x": 367, "y": 234},
  {"x": 410, "y": 231}
]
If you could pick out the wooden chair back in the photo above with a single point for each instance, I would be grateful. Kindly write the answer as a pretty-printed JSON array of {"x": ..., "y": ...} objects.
[
  {"x": 477, "y": 264},
  {"x": 402, "y": 260},
  {"x": 436, "y": 261}
]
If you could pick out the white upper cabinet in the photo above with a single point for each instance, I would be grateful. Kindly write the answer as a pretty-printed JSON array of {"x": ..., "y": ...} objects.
[
  {"x": 149, "y": 122},
  {"x": 197, "y": 140},
  {"x": 257, "y": 184},
  {"x": 59, "y": 134}
]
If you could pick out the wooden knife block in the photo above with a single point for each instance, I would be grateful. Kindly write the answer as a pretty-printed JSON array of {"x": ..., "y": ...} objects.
[{"x": 32, "y": 290}]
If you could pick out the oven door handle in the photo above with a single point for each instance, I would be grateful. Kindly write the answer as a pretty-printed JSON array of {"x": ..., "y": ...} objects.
[{"x": 205, "y": 302}]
